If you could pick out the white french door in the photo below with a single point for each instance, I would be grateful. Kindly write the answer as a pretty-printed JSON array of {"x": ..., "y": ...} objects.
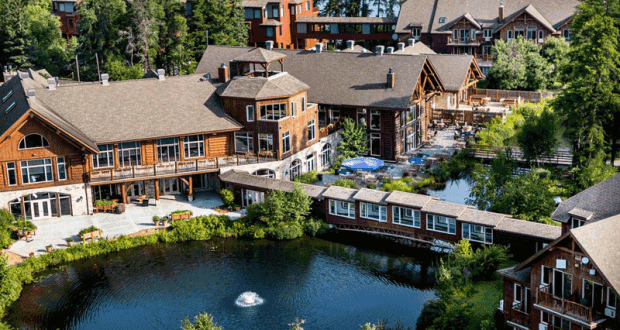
[
  {"x": 169, "y": 186},
  {"x": 40, "y": 209}
]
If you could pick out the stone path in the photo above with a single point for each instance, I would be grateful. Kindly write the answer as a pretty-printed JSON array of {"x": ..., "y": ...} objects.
[{"x": 55, "y": 231}]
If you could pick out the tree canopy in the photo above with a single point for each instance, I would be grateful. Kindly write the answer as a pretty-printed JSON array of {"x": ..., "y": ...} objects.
[{"x": 539, "y": 136}]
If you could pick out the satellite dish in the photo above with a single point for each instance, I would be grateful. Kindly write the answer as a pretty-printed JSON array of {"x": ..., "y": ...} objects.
[
  {"x": 394, "y": 36},
  {"x": 585, "y": 260}
]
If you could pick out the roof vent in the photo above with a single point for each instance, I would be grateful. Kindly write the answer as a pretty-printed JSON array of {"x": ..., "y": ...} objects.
[
  {"x": 161, "y": 74},
  {"x": 401, "y": 46},
  {"x": 30, "y": 93},
  {"x": 410, "y": 42},
  {"x": 269, "y": 45},
  {"x": 51, "y": 83},
  {"x": 389, "y": 50},
  {"x": 379, "y": 50},
  {"x": 350, "y": 44},
  {"x": 105, "y": 79},
  {"x": 318, "y": 47},
  {"x": 24, "y": 75}
]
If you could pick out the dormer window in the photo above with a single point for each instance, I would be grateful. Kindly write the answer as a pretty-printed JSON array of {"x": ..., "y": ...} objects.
[
  {"x": 576, "y": 223},
  {"x": 32, "y": 141}
]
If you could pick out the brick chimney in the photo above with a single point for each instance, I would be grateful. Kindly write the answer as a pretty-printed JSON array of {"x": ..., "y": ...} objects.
[
  {"x": 379, "y": 50},
  {"x": 401, "y": 46},
  {"x": 391, "y": 79},
  {"x": 502, "y": 13},
  {"x": 269, "y": 45},
  {"x": 223, "y": 73}
]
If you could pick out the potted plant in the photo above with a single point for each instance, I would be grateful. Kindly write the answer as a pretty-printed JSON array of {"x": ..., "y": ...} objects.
[
  {"x": 91, "y": 232},
  {"x": 155, "y": 220},
  {"x": 163, "y": 221},
  {"x": 49, "y": 248},
  {"x": 69, "y": 241},
  {"x": 31, "y": 254}
]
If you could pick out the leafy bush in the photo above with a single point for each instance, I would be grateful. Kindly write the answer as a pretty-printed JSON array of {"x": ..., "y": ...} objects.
[
  {"x": 345, "y": 183},
  {"x": 201, "y": 322},
  {"x": 69, "y": 240},
  {"x": 280, "y": 206},
  {"x": 286, "y": 230},
  {"x": 155, "y": 218},
  {"x": 309, "y": 177},
  {"x": 372, "y": 185},
  {"x": 104, "y": 202},
  {"x": 88, "y": 230},
  {"x": 313, "y": 227},
  {"x": 182, "y": 212},
  {"x": 228, "y": 198}
]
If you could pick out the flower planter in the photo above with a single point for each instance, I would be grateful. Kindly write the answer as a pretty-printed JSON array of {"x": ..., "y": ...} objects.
[
  {"x": 91, "y": 235},
  {"x": 162, "y": 223},
  {"x": 175, "y": 217},
  {"x": 49, "y": 248},
  {"x": 70, "y": 243},
  {"x": 31, "y": 254}
]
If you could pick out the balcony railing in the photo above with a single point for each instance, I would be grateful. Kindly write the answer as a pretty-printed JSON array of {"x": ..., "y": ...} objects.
[
  {"x": 517, "y": 314},
  {"x": 485, "y": 58},
  {"x": 564, "y": 306},
  {"x": 465, "y": 41},
  {"x": 179, "y": 167}
]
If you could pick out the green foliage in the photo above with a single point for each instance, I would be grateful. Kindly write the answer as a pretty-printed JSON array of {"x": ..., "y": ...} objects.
[
  {"x": 280, "y": 206},
  {"x": 539, "y": 136},
  {"x": 69, "y": 240},
  {"x": 119, "y": 71},
  {"x": 372, "y": 185},
  {"x": 555, "y": 51},
  {"x": 285, "y": 230},
  {"x": 104, "y": 202},
  {"x": 354, "y": 140},
  {"x": 498, "y": 133},
  {"x": 341, "y": 182},
  {"x": 201, "y": 322},
  {"x": 309, "y": 177},
  {"x": 519, "y": 65},
  {"x": 297, "y": 324},
  {"x": 228, "y": 198},
  {"x": 593, "y": 172},
  {"x": 178, "y": 212},
  {"x": 88, "y": 230},
  {"x": 458, "y": 166},
  {"x": 403, "y": 184},
  {"x": 155, "y": 219},
  {"x": 432, "y": 310},
  {"x": 313, "y": 227}
]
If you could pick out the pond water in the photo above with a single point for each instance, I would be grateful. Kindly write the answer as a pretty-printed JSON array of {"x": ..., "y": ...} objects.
[
  {"x": 456, "y": 191},
  {"x": 332, "y": 285}
]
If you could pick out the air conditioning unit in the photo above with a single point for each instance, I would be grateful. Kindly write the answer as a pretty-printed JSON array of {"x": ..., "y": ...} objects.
[
  {"x": 610, "y": 312},
  {"x": 542, "y": 326},
  {"x": 487, "y": 39}
]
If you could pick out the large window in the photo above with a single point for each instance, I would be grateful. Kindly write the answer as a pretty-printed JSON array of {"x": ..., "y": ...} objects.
[
  {"x": 375, "y": 119},
  {"x": 487, "y": 33},
  {"x": 61, "y": 168},
  {"x": 326, "y": 155},
  {"x": 129, "y": 154},
  {"x": 269, "y": 31},
  {"x": 194, "y": 146},
  {"x": 531, "y": 33},
  {"x": 335, "y": 116},
  {"x": 11, "y": 174},
  {"x": 477, "y": 233},
  {"x": 33, "y": 141},
  {"x": 441, "y": 224},
  {"x": 244, "y": 142},
  {"x": 373, "y": 212},
  {"x": 611, "y": 298},
  {"x": 310, "y": 163},
  {"x": 37, "y": 171},
  {"x": 266, "y": 173},
  {"x": 375, "y": 144},
  {"x": 273, "y": 111},
  {"x": 249, "y": 113},
  {"x": 303, "y": 104},
  {"x": 311, "y": 130},
  {"x": 307, "y": 5},
  {"x": 265, "y": 142},
  {"x": 406, "y": 217},
  {"x": 361, "y": 117},
  {"x": 576, "y": 223},
  {"x": 567, "y": 34},
  {"x": 293, "y": 109},
  {"x": 168, "y": 150},
  {"x": 342, "y": 209},
  {"x": 105, "y": 157},
  {"x": 593, "y": 294},
  {"x": 286, "y": 142},
  {"x": 249, "y": 13},
  {"x": 295, "y": 169},
  {"x": 251, "y": 197},
  {"x": 323, "y": 116}
]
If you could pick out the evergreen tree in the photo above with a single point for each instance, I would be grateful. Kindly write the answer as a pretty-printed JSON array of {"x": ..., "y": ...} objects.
[
  {"x": 354, "y": 140},
  {"x": 14, "y": 41},
  {"x": 538, "y": 136},
  {"x": 591, "y": 100},
  {"x": 172, "y": 40},
  {"x": 555, "y": 51},
  {"x": 222, "y": 19}
]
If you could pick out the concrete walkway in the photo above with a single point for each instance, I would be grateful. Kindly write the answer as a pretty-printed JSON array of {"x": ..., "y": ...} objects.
[{"x": 54, "y": 231}]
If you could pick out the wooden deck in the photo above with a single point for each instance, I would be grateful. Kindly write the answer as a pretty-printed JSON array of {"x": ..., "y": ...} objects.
[
  {"x": 559, "y": 157},
  {"x": 565, "y": 306}
]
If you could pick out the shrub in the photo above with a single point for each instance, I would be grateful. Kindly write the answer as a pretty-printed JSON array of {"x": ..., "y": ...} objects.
[
  {"x": 104, "y": 202},
  {"x": 309, "y": 178},
  {"x": 201, "y": 322},
  {"x": 182, "y": 212},
  {"x": 288, "y": 230},
  {"x": 69, "y": 239},
  {"x": 88, "y": 230},
  {"x": 155, "y": 218},
  {"x": 345, "y": 183},
  {"x": 314, "y": 226},
  {"x": 228, "y": 198},
  {"x": 372, "y": 186}
]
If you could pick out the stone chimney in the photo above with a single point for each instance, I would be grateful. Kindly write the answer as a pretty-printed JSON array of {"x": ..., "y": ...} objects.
[
  {"x": 379, "y": 50},
  {"x": 401, "y": 46},
  {"x": 223, "y": 73},
  {"x": 502, "y": 13},
  {"x": 391, "y": 79},
  {"x": 105, "y": 79},
  {"x": 51, "y": 83},
  {"x": 269, "y": 45},
  {"x": 350, "y": 44},
  {"x": 318, "y": 47},
  {"x": 389, "y": 50},
  {"x": 410, "y": 42},
  {"x": 161, "y": 74}
]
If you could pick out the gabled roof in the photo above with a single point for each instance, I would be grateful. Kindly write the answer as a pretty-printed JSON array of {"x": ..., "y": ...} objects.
[
  {"x": 523, "y": 275},
  {"x": 481, "y": 217},
  {"x": 408, "y": 199},
  {"x": 181, "y": 105},
  {"x": 600, "y": 241},
  {"x": 371, "y": 196},
  {"x": 532, "y": 11},
  {"x": 419, "y": 48},
  {"x": 445, "y": 208},
  {"x": 595, "y": 203},
  {"x": 340, "y": 193},
  {"x": 256, "y": 3},
  {"x": 467, "y": 16},
  {"x": 453, "y": 70},
  {"x": 340, "y": 78},
  {"x": 259, "y": 88},
  {"x": 529, "y": 228},
  {"x": 260, "y": 55}
]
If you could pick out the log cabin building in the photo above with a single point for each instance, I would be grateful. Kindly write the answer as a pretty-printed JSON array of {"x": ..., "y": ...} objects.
[
  {"x": 573, "y": 283},
  {"x": 390, "y": 94},
  {"x": 471, "y": 27}
]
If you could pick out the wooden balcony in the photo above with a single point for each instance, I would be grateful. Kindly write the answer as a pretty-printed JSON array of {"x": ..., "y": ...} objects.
[
  {"x": 467, "y": 41},
  {"x": 565, "y": 306},
  {"x": 174, "y": 168},
  {"x": 517, "y": 314},
  {"x": 327, "y": 130},
  {"x": 485, "y": 58}
]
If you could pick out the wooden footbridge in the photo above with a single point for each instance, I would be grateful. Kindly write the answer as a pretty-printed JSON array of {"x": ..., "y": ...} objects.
[{"x": 558, "y": 158}]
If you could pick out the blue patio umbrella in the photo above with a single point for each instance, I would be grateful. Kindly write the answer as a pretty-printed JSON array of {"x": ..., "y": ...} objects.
[
  {"x": 363, "y": 164},
  {"x": 416, "y": 160},
  {"x": 468, "y": 134}
]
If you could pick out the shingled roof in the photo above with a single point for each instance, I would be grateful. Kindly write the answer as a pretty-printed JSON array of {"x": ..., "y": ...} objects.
[
  {"x": 246, "y": 179},
  {"x": 258, "y": 88},
  {"x": 595, "y": 203},
  {"x": 418, "y": 48},
  {"x": 341, "y": 78},
  {"x": 181, "y": 105},
  {"x": 260, "y": 55},
  {"x": 453, "y": 70}
]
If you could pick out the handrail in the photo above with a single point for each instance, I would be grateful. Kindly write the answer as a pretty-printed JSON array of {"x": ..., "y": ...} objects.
[{"x": 564, "y": 306}]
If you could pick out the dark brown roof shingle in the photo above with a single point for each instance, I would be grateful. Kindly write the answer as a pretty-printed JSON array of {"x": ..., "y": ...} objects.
[
  {"x": 258, "y": 88},
  {"x": 601, "y": 200}
]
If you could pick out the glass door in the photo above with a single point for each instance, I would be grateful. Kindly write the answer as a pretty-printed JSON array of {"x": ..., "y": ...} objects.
[
  {"x": 169, "y": 186},
  {"x": 40, "y": 209}
]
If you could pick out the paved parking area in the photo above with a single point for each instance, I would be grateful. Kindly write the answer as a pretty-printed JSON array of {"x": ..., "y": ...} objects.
[{"x": 54, "y": 231}]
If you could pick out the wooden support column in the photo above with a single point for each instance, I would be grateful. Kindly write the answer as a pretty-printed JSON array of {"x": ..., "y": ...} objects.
[
  {"x": 124, "y": 193},
  {"x": 23, "y": 208},
  {"x": 58, "y": 204},
  {"x": 191, "y": 186},
  {"x": 156, "y": 189}
]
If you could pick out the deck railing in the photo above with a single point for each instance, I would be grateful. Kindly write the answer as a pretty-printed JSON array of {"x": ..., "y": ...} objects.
[
  {"x": 518, "y": 315},
  {"x": 465, "y": 41},
  {"x": 559, "y": 157},
  {"x": 179, "y": 167},
  {"x": 564, "y": 306}
]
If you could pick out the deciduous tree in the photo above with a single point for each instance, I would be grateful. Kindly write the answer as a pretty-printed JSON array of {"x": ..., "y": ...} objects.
[
  {"x": 539, "y": 136},
  {"x": 519, "y": 64}
]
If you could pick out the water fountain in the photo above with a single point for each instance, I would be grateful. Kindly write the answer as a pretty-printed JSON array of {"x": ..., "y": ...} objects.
[{"x": 249, "y": 299}]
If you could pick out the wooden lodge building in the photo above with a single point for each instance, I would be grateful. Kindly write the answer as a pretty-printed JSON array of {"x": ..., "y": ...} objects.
[{"x": 573, "y": 283}]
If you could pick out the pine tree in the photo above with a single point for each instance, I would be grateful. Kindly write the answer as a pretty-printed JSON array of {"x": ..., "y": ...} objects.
[
  {"x": 172, "y": 46},
  {"x": 14, "y": 41}
]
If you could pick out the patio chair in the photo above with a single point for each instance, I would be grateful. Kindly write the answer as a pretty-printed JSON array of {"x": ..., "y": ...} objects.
[{"x": 145, "y": 202}]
